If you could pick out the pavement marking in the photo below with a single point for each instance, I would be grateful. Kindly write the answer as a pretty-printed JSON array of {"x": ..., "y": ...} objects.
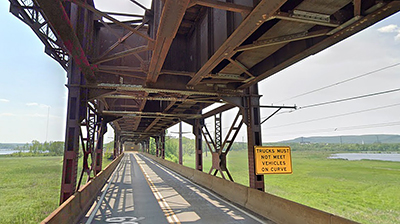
[
  {"x": 125, "y": 220},
  {"x": 180, "y": 177},
  {"x": 91, "y": 217},
  {"x": 169, "y": 213}
]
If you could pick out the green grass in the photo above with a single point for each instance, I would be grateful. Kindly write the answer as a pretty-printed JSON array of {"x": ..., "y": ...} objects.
[
  {"x": 363, "y": 191},
  {"x": 29, "y": 188}
]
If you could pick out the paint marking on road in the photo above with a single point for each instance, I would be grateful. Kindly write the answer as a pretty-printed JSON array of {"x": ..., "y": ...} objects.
[
  {"x": 169, "y": 213},
  {"x": 93, "y": 213},
  {"x": 181, "y": 178}
]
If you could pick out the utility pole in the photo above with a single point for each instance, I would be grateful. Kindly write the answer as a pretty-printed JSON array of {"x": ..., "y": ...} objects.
[{"x": 180, "y": 142}]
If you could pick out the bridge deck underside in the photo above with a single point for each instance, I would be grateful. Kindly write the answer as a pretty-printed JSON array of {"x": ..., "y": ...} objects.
[{"x": 150, "y": 72}]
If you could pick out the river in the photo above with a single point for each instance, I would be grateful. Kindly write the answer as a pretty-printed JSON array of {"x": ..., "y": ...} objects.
[
  {"x": 7, "y": 151},
  {"x": 368, "y": 156}
]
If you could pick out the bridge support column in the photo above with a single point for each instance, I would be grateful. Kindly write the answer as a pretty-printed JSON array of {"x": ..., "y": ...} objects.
[
  {"x": 147, "y": 145},
  {"x": 117, "y": 144},
  {"x": 198, "y": 125},
  {"x": 252, "y": 120},
  {"x": 75, "y": 113},
  {"x": 99, "y": 146},
  {"x": 162, "y": 145},
  {"x": 157, "y": 141}
]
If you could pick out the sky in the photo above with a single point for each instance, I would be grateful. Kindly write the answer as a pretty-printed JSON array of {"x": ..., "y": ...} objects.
[{"x": 33, "y": 96}]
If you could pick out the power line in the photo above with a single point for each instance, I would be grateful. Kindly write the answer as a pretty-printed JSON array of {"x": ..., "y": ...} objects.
[
  {"x": 346, "y": 128},
  {"x": 335, "y": 116},
  {"x": 341, "y": 82},
  {"x": 341, "y": 100},
  {"x": 350, "y": 98}
]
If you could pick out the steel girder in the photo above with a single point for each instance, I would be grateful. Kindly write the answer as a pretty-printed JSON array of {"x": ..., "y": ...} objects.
[{"x": 153, "y": 72}]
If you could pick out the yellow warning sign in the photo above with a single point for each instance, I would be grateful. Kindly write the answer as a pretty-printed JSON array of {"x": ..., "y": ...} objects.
[{"x": 273, "y": 160}]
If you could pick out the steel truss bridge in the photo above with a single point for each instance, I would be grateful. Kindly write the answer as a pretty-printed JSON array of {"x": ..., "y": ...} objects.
[{"x": 145, "y": 73}]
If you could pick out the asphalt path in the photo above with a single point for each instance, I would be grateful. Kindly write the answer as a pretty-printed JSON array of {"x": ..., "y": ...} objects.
[{"x": 141, "y": 191}]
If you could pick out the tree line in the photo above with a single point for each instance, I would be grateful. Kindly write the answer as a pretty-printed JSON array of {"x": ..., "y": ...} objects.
[
  {"x": 56, "y": 148},
  {"x": 36, "y": 148}
]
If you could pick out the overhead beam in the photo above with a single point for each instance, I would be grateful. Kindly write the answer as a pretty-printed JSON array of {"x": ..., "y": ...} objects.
[
  {"x": 119, "y": 68},
  {"x": 261, "y": 13},
  {"x": 151, "y": 114},
  {"x": 265, "y": 68},
  {"x": 98, "y": 12},
  {"x": 306, "y": 19},
  {"x": 57, "y": 17},
  {"x": 228, "y": 6},
  {"x": 282, "y": 40},
  {"x": 171, "y": 18},
  {"x": 125, "y": 87},
  {"x": 123, "y": 54},
  {"x": 357, "y": 7},
  {"x": 217, "y": 110}
]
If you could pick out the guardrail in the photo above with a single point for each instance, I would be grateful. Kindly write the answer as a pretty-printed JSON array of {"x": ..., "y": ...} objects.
[
  {"x": 277, "y": 209},
  {"x": 72, "y": 210}
]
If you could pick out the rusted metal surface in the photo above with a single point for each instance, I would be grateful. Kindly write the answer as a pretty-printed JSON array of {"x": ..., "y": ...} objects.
[{"x": 149, "y": 73}]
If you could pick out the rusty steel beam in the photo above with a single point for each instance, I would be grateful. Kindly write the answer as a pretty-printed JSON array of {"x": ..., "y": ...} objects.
[
  {"x": 282, "y": 39},
  {"x": 123, "y": 54},
  {"x": 357, "y": 7},
  {"x": 171, "y": 18},
  {"x": 217, "y": 110},
  {"x": 291, "y": 17},
  {"x": 379, "y": 12},
  {"x": 149, "y": 114},
  {"x": 57, "y": 17},
  {"x": 119, "y": 68},
  {"x": 261, "y": 13},
  {"x": 122, "y": 74},
  {"x": 31, "y": 16},
  {"x": 254, "y": 138},
  {"x": 227, "y": 6},
  {"x": 142, "y": 105},
  {"x": 197, "y": 131},
  {"x": 125, "y": 87},
  {"x": 98, "y": 12}
]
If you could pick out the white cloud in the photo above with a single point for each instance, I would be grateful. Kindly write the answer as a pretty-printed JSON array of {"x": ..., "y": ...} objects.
[
  {"x": 4, "y": 100},
  {"x": 392, "y": 28},
  {"x": 32, "y": 104}
]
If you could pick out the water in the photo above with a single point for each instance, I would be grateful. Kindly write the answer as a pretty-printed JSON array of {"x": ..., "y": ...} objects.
[
  {"x": 7, "y": 151},
  {"x": 369, "y": 156}
]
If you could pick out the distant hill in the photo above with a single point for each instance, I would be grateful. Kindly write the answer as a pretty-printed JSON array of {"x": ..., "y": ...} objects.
[{"x": 348, "y": 139}]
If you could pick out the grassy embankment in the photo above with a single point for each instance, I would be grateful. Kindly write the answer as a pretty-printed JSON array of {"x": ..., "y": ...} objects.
[
  {"x": 364, "y": 191},
  {"x": 29, "y": 188}
]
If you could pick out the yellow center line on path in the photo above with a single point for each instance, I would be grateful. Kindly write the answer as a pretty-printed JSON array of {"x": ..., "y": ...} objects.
[{"x": 169, "y": 213}]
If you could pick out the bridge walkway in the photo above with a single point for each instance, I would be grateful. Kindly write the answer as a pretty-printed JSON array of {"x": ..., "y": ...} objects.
[{"x": 142, "y": 191}]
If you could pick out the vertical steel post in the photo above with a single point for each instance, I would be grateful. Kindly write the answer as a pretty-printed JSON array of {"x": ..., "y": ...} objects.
[
  {"x": 157, "y": 140},
  {"x": 99, "y": 146},
  {"x": 117, "y": 144},
  {"x": 180, "y": 142},
  {"x": 252, "y": 119},
  {"x": 121, "y": 146},
  {"x": 148, "y": 145},
  {"x": 162, "y": 145},
  {"x": 75, "y": 113},
  {"x": 218, "y": 131},
  {"x": 198, "y": 125}
]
